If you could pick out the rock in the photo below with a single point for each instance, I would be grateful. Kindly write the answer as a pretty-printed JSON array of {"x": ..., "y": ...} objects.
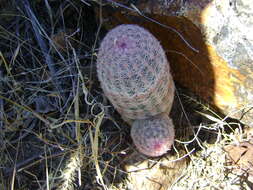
[
  {"x": 221, "y": 72},
  {"x": 241, "y": 156},
  {"x": 145, "y": 174}
]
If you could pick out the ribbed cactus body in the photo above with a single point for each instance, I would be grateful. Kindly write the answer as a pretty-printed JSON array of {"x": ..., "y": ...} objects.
[
  {"x": 157, "y": 136},
  {"x": 134, "y": 72},
  {"x": 135, "y": 76}
]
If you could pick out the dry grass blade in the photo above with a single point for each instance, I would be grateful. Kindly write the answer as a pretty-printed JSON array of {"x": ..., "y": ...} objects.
[
  {"x": 26, "y": 108},
  {"x": 94, "y": 146},
  {"x": 6, "y": 65},
  {"x": 69, "y": 173},
  {"x": 54, "y": 126}
]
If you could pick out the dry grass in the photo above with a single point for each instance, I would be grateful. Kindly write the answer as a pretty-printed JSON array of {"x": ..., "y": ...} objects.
[
  {"x": 209, "y": 169},
  {"x": 51, "y": 104},
  {"x": 57, "y": 129}
]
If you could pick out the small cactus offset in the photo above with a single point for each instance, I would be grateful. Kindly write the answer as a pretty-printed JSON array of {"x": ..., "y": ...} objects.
[
  {"x": 153, "y": 136},
  {"x": 135, "y": 76}
]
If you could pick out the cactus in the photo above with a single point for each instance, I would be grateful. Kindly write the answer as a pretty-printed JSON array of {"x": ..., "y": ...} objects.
[
  {"x": 153, "y": 136},
  {"x": 135, "y": 76}
]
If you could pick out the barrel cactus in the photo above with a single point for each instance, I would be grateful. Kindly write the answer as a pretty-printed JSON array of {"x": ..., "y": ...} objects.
[{"x": 135, "y": 76}]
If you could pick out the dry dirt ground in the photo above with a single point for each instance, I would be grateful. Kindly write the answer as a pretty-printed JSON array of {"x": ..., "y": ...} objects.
[{"x": 58, "y": 130}]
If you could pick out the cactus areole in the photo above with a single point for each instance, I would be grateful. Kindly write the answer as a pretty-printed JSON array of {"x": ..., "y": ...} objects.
[{"x": 135, "y": 76}]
